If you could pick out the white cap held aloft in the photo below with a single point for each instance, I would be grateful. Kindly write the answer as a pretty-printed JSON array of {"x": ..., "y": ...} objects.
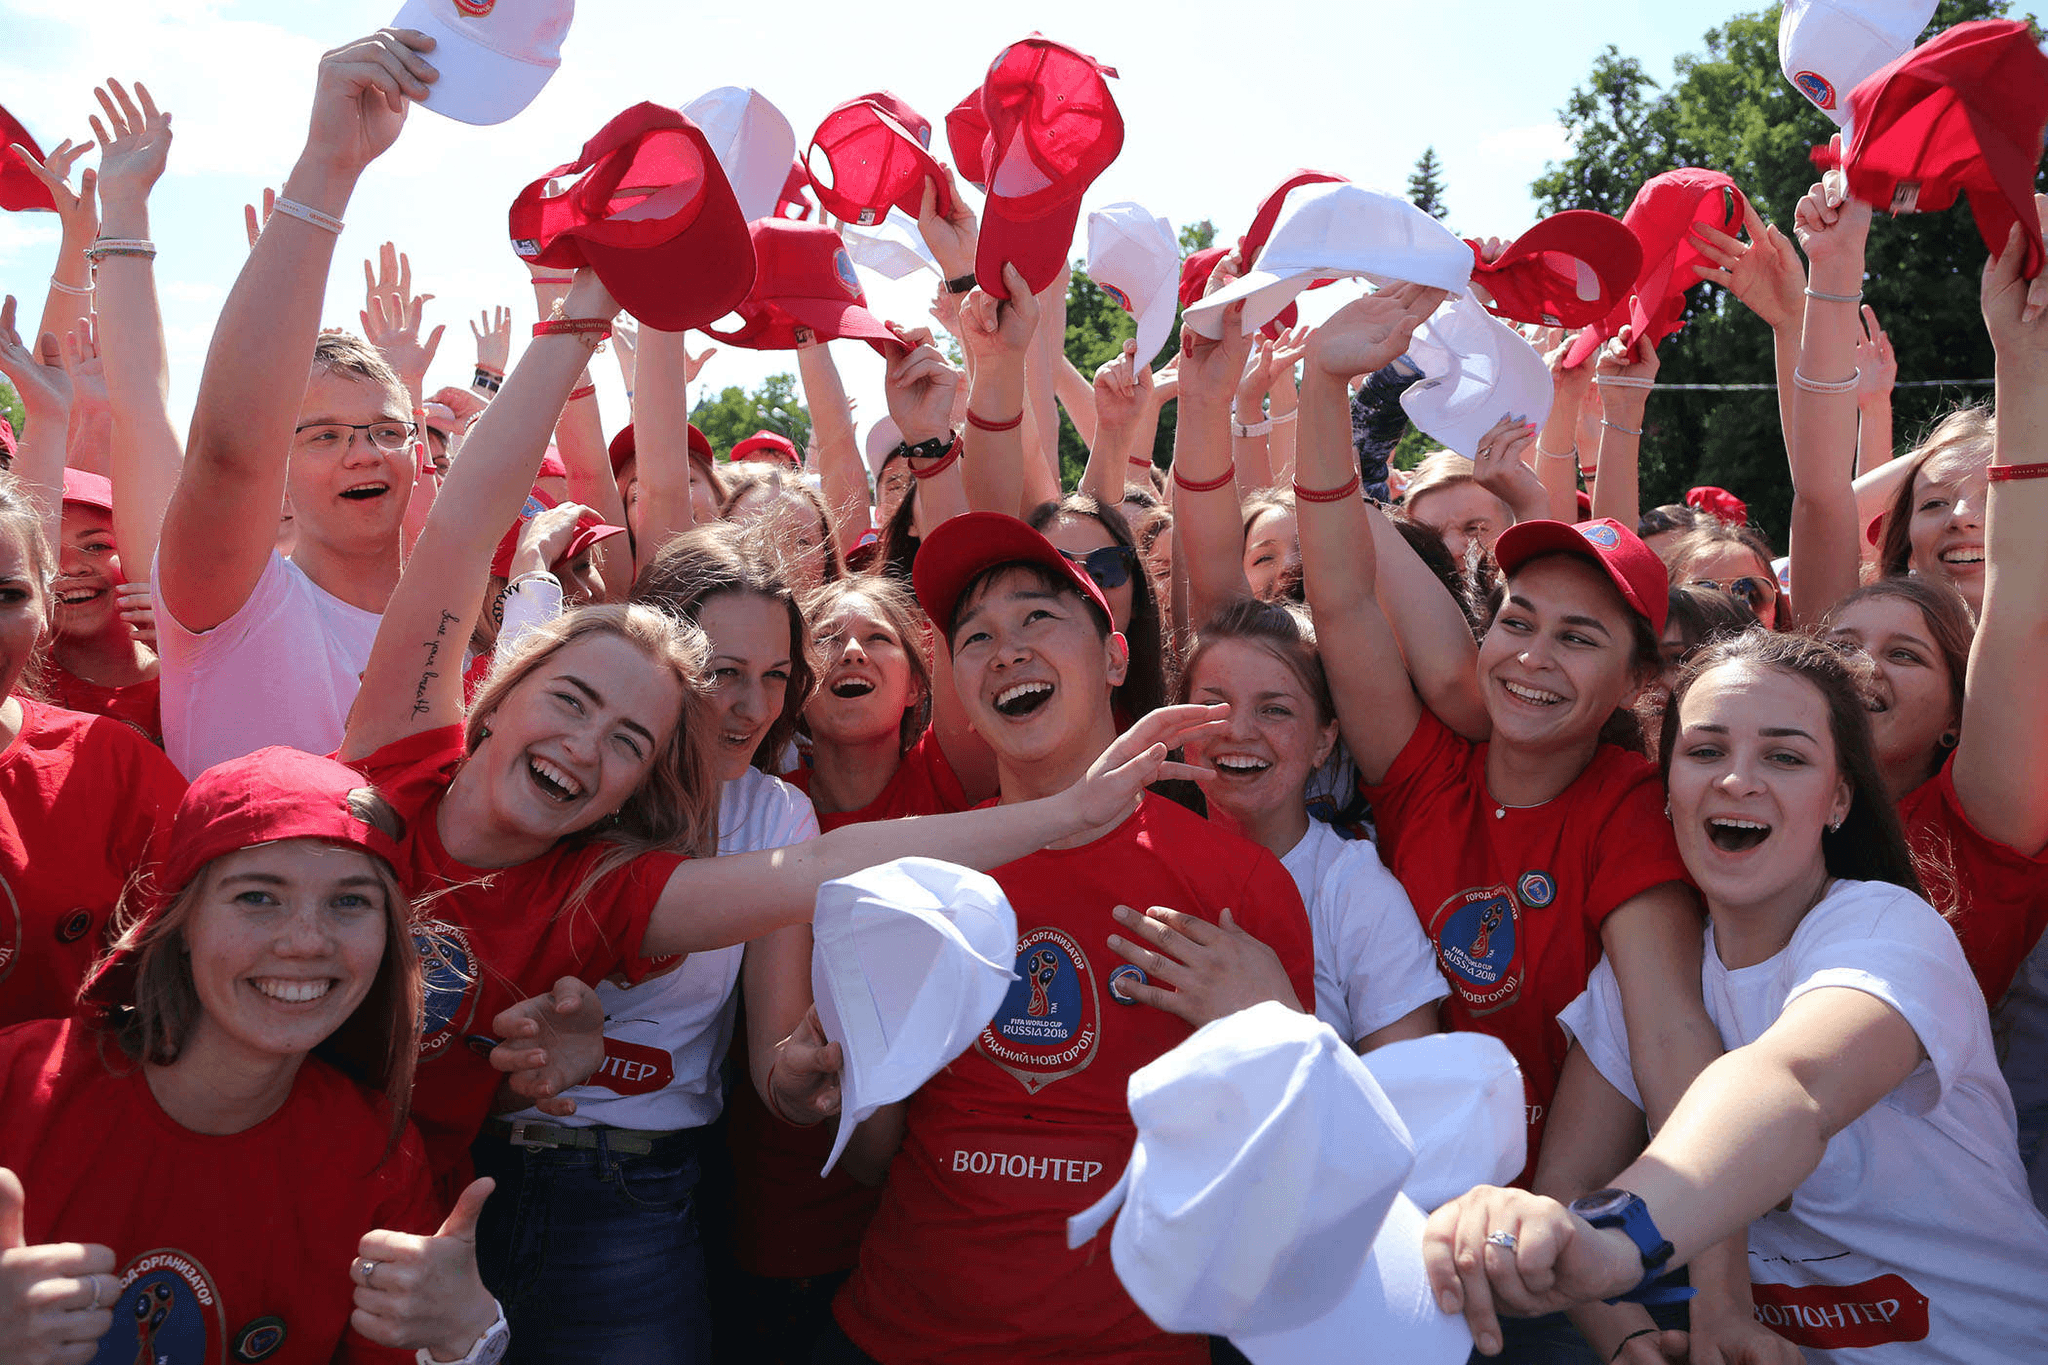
[
  {"x": 1476, "y": 370},
  {"x": 1330, "y": 231},
  {"x": 1469, "y": 1132},
  {"x": 892, "y": 248},
  {"x": 493, "y": 55},
  {"x": 752, "y": 141},
  {"x": 1827, "y": 47},
  {"x": 911, "y": 959},
  {"x": 1135, "y": 257}
]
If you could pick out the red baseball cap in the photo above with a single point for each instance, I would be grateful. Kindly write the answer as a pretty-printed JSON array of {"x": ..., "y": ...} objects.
[
  {"x": 1637, "y": 573},
  {"x": 7, "y": 442},
  {"x": 1254, "y": 239},
  {"x": 551, "y": 466},
  {"x": 19, "y": 189},
  {"x": 1053, "y": 128},
  {"x": 590, "y": 529},
  {"x": 1965, "y": 110},
  {"x": 1662, "y": 218},
  {"x": 1571, "y": 269},
  {"x": 648, "y": 207},
  {"x": 867, "y": 156},
  {"x": 795, "y": 201},
  {"x": 967, "y": 135},
  {"x": 805, "y": 279},
  {"x": 965, "y": 547},
  {"x": 86, "y": 488},
  {"x": 1718, "y": 503},
  {"x": 769, "y": 448},
  {"x": 261, "y": 798},
  {"x": 1194, "y": 278},
  {"x": 624, "y": 451}
]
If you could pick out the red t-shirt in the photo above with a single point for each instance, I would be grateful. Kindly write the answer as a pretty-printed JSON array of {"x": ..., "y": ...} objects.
[
  {"x": 791, "y": 1224},
  {"x": 82, "y": 799},
  {"x": 1995, "y": 897},
  {"x": 495, "y": 936},
  {"x": 136, "y": 703},
  {"x": 924, "y": 784},
  {"x": 212, "y": 1235},
  {"x": 967, "y": 1261},
  {"x": 1514, "y": 902}
]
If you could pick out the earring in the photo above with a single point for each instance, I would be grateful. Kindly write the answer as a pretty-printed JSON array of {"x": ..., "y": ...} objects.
[
  {"x": 1949, "y": 739},
  {"x": 483, "y": 732},
  {"x": 1667, "y": 810},
  {"x": 1835, "y": 827}
]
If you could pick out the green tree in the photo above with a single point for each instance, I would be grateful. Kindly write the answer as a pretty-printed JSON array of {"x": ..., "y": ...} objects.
[
  {"x": 736, "y": 413},
  {"x": 1426, "y": 184},
  {"x": 1731, "y": 109},
  {"x": 10, "y": 407}
]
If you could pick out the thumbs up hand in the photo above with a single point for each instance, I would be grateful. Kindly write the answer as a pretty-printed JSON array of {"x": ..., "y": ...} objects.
[
  {"x": 416, "y": 1293},
  {"x": 56, "y": 1300}
]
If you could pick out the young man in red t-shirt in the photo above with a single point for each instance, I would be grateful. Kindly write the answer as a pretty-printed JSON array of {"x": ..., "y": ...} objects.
[{"x": 967, "y": 1260}]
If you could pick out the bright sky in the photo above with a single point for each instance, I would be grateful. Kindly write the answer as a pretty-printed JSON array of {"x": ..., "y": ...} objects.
[{"x": 1220, "y": 103}]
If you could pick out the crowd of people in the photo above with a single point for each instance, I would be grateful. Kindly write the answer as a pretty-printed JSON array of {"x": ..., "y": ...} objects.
[{"x": 414, "y": 800}]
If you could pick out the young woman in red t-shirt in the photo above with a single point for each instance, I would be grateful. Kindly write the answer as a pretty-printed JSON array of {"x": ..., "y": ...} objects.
[
  {"x": 248, "y": 1044},
  {"x": 97, "y": 665}
]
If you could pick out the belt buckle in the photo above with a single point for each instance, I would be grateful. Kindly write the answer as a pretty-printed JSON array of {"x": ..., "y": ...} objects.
[{"x": 519, "y": 1136}]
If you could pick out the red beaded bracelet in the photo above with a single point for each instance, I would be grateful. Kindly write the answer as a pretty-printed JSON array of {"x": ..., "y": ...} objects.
[
  {"x": 554, "y": 279},
  {"x": 590, "y": 327},
  {"x": 980, "y": 423},
  {"x": 1223, "y": 480},
  {"x": 2006, "y": 473},
  {"x": 584, "y": 392},
  {"x": 1338, "y": 494},
  {"x": 938, "y": 466}
]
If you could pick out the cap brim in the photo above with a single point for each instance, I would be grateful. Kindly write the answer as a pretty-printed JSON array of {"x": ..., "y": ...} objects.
[
  {"x": 1265, "y": 293},
  {"x": 832, "y": 319},
  {"x": 1390, "y": 1305},
  {"x": 1526, "y": 540},
  {"x": 1037, "y": 247},
  {"x": 964, "y": 546},
  {"x": 476, "y": 85},
  {"x": 1155, "y": 320}
]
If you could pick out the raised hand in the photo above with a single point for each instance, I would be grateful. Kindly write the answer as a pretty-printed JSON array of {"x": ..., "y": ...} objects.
[
  {"x": 252, "y": 221},
  {"x": 1210, "y": 369},
  {"x": 85, "y": 369},
  {"x": 56, "y": 1300},
  {"x": 551, "y": 1042},
  {"x": 424, "y": 1293},
  {"x": 1369, "y": 333},
  {"x": 920, "y": 385},
  {"x": 1209, "y": 970},
  {"x": 1765, "y": 272},
  {"x": 1114, "y": 782},
  {"x": 38, "y": 375},
  {"x": 993, "y": 329},
  {"x": 545, "y": 536},
  {"x": 135, "y": 141},
  {"x": 1877, "y": 368},
  {"x": 1831, "y": 230},
  {"x": 361, "y": 95},
  {"x": 493, "y": 333},
  {"x": 952, "y": 237},
  {"x": 138, "y": 611},
  {"x": 803, "y": 1084},
  {"x": 1123, "y": 389},
  {"x": 1501, "y": 466},
  {"x": 692, "y": 364},
  {"x": 78, "y": 210},
  {"x": 391, "y": 318},
  {"x": 2019, "y": 334}
]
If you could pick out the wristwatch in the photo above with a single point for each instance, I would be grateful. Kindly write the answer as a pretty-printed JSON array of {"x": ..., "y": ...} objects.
[
  {"x": 959, "y": 284},
  {"x": 488, "y": 1350},
  {"x": 1619, "y": 1209}
]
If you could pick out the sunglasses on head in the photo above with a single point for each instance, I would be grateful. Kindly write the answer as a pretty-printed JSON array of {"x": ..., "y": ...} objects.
[
  {"x": 1755, "y": 592},
  {"x": 1109, "y": 566}
]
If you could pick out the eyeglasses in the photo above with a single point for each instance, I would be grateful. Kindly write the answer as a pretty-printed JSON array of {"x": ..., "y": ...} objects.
[
  {"x": 1109, "y": 566},
  {"x": 1758, "y": 593},
  {"x": 390, "y": 435}
]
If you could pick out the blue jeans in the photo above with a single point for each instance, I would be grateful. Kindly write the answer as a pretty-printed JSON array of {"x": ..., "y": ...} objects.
[{"x": 595, "y": 1254}]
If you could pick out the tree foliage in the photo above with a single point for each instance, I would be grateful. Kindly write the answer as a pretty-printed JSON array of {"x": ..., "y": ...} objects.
[
  {"x": 1729, "y": 108},
  {"x": 1426, "y": 184},
  {"x": 10, "y": 407},
  {"x": 737, "y": 413}
]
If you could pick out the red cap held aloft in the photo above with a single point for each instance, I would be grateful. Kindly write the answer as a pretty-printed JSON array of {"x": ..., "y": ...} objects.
[
  {"x": 967, "y": 135},
  {"x": 795, "y": 202},
  {"x": 870, "y": 153},
  {"x": 1571, "y": 269},
  {"x": 1194, "y": 278},
  {"x": 590, "y": 529},
  {"x": 648, "y": 207},
  {"x": 19, "y": 189},
  {"x": 805, "y": 279},
  {"x": 1662, "y": 218},
  {"x": 964, "y": 547},
  {"x": 1638, "y": 575},
  {"x": 1268, "y": 212}
]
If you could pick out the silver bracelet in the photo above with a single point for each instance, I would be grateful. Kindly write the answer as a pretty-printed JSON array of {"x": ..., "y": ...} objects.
[
  {"x": 1813, "y": 293},
  {"x": 305, "y": 213},
  {"x": 1622, "y": 381},
  {"x": 1282, "y": 419},
  {"x": 73, "y": 290},
  {"x": 1626, "y": 431},
  {"x": 1571, "y": 454},
  {"x": 1824, "y": 386}
]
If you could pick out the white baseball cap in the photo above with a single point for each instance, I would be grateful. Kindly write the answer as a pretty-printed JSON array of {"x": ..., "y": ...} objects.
[
  {"x": 1475, "y": 370},
  {"x": 1329, "y": 231},
  {"x": 493, "y": 55},
  {"x": 752, "y": 141},
  {"x": 1827, "y": 47},
  {"x": 1472, "y": 1132},
  {"x": 910, "y": 961},
  {"x": 1263, "y": 1200},
  {"x": 1134, "y": 255},
  {"x": 892, "y": 248},
  {"x": 883, "y": 437}
]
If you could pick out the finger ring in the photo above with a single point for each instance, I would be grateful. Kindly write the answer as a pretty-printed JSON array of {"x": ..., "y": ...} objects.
[
  {"x": 94, "y": 1305},
  {"x": 1504, "y": 1240},
  {"x": 368, "y": 1268}
]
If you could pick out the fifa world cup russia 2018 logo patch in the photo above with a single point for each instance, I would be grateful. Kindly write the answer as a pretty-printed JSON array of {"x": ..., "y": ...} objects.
[
  {"x": 1117, "y": 296},
  {"x": 1478, "y": 943},
  {"x": 842, "y": 264},
  {"x": 1815, "y": 87},
  {"x": 476, "y": 9},
  {"x": 1603, "y": 536},
  {"x": 1049, "y": 1024},
  {"x": 450, "y": 971},
  {"x": 169, "y": 1313}
]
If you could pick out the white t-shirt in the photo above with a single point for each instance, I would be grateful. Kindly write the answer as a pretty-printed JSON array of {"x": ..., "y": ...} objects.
[
  {"x": 284, "y": 669},
  {"x": 665, "y": 1037},
  {"x": 1373, "y": 964},
  {"x": 1914, "y": 1239}
]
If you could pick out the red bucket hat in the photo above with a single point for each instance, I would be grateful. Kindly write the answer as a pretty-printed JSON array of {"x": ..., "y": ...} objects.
[
  {"x": 260, "y": 798},
  {"x": 963, "y": 547},
  {"x": 624, "y": 451},
  {"x": 590, "y": 529},
  {"x": 1964, "y": 111},
  {"x": 805, "y": 279},
  {"x": 1662, "y": 219},
  {"x": 967, "y": 135},
  {"x": 1638, "y": 574},
  {"x": 1571, "y": 269},
  {"x": 874, "y": 157},
  {"x": 19, "y": 188},
  {"x": 768, "y": 448},
  {"x": 648, "y": 207},
  {"x": 1053, "y": 128}
]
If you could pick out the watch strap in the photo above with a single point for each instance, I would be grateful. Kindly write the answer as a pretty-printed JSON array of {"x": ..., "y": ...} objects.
[
  {"x": 488, "y": 1349},
  {"x": 960, "y": 284}
]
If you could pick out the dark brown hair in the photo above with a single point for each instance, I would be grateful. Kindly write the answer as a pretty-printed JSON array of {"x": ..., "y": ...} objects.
[
  {"x": 1147, "y": 682},
  {"x": 1283, "y": 630},
  {"x": 1950, "y": 625},
  {"x": 891, "y": 600}
]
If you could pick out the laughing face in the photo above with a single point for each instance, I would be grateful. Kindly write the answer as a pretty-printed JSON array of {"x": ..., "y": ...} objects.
[
  {"x": 285, "y": 940},
  {"x": 348, "y": 494},
  {"x": 1033, "y": 667},
  {"x": 1754, "y": 781},
  {"x": 1946, "y": 531},
  {"x": 1275, "y": 736},
  {"x": 750, "y": 664},
  {"x": 1560, "y": 655},
  {"x": 1912, "y": 702},
  {"x": 1272, "y": 548},
  {"x": 867, "y": 682},
  {"x": 88, "y": 571}
]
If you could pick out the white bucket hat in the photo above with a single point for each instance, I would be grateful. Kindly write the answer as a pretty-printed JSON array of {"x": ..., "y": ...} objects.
[
  {"x": 752, "y": 141},
  {"x": 1263, "y": 1200},
  {"x": 1329, "y": 231},
  {"x": 1475, "y": 370},
  {"x": 493, "y": 55},
  {"x": 911, "y": 959},
  {"x": 1134, "y": 255},
  {"x": 1827, "y": 47},
  {"x": 892, "y": 248}
]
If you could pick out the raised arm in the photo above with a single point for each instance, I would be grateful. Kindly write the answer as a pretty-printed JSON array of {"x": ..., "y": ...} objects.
[
  {"x": 661, "y": 434},
  {"x": 1042, "y": 421},
  {"x": 414, "y": 678},
  {"x": 842, "y": 475},
  {"x": 70, "y": 298},
  {"x": 1208, "y": 523},
  {"x": 1076, "y": 393},
  {"x": 1627, "y": 372},
  {"x": 145, "y": 453},
  {"x": 1557, "y": 445},
  {"x": 1877, "y": 373},
  {"x": 37, "y": 373},
  {"x": 222, "y": 520},
  {"x": 1767, "y": 276},
  {"x": 1120, "y": 398},
  {"x": 2004, "y": 741},
  {"x": 996, "y": 336}
]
